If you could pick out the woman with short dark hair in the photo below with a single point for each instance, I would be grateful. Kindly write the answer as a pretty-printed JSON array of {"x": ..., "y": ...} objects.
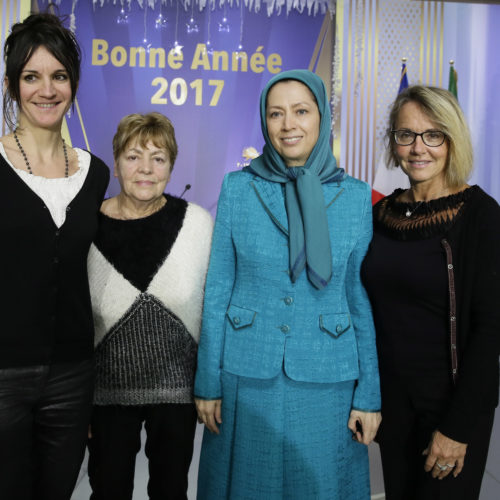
[{"x": 50, "y": 198}]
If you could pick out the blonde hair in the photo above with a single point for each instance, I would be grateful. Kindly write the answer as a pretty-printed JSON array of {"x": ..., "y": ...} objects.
[
  {"x": 153, "y": 127},
  {"x": 441, "y": 107}
]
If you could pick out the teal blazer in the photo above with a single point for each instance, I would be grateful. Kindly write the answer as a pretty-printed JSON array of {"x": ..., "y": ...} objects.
[{"x": 256, "y": 322}]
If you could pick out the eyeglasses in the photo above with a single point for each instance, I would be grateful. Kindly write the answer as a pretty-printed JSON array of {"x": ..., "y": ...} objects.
[{"x": 432, "y": 138}]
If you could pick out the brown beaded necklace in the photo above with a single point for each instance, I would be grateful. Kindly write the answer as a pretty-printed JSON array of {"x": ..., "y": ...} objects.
[{"x": 28, "y": 166}]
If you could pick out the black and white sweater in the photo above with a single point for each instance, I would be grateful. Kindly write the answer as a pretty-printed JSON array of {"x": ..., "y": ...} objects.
[{"x": 147, "y": 278}]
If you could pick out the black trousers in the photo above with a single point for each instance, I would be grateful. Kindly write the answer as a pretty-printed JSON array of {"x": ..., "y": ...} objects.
[
  {"x": 412, "y": 408},
  {"x": 116, "y": 440},
  {"x": 44, "y": 417}
]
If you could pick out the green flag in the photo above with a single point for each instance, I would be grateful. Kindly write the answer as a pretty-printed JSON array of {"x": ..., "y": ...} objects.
[{"x": 452, "y": 81}]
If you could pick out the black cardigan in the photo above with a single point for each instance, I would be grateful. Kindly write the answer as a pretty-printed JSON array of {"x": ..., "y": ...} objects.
[
  {"x": 45, "y": 300},
  {"x": 475, "y": 245},
  {"x": 473, "y": 239}
]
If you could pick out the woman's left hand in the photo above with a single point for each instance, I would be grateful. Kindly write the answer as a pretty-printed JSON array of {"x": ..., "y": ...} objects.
[
  {"x": 367, "y": 425},
  {"x": 444, "y": 455}
]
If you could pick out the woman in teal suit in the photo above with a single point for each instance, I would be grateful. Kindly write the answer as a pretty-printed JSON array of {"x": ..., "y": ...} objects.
[{"x": 287, "y": 380}]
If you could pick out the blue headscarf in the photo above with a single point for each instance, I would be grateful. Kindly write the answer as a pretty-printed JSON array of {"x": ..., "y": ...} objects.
[{"x": 309, "y": 238}]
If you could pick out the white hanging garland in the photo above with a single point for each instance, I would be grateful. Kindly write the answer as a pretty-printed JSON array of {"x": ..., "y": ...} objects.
[{"x": 312, "y": 7}]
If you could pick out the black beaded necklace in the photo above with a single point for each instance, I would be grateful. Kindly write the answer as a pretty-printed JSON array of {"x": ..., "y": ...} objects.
[{"x": 66, "y": 161}]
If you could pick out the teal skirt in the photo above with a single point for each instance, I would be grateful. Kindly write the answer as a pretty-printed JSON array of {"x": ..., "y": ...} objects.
[{"x": 282, "y": 440}]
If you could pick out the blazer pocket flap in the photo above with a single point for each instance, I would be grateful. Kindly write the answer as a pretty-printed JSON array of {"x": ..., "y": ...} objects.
[
  {"x": 240, "y": 317},
  {"x": 335, "y": 324}
]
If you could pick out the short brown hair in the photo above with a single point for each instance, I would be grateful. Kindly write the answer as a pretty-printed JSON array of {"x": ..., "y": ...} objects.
[
  {"x": 153, "y": 127},
  {"x": 443, "y": 109}
]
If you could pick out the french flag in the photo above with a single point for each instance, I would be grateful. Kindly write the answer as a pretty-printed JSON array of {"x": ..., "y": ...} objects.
[{"x": 388, "y": 179}]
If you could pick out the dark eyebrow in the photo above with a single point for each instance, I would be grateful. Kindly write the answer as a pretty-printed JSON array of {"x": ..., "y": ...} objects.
[{"x": 35, "y": 72}]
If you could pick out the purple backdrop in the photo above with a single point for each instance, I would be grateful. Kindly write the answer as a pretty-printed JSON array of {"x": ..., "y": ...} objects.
[{"x": 211, "y": 138}]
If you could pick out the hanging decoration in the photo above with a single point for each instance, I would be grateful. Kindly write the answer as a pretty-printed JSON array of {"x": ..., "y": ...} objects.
[
  {"x": 192, "y": 25},
  {"x": 240, "y": 45},
  {"x": 145, "y": 42},
  {"x": 72, "y": 18},
  {"x": 177, "y": 46},
  {"x": 161, "y": 21},
  {"x": 224, "y": 23},
  {"x": 122, "y": 17},
  {"x": 311, "y": 7},
  {"x": 209, "y": 48}
]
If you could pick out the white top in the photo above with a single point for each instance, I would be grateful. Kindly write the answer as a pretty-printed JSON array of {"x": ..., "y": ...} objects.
[{"x": 57, "y": 193}]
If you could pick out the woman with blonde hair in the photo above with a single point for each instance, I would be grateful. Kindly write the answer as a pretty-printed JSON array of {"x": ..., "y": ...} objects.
[{"x": 433, "y": 277}]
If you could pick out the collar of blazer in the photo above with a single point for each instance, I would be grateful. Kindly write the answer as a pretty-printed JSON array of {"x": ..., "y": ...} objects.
[{"x": 270, "y": 195}]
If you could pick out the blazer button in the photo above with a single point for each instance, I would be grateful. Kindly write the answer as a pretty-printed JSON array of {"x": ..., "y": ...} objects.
[
  {"x": 236, "y": 320},
  {"x": 339, "y": 329},
  {"x": 288, "y": 300},
  {"x": 285, "y": 328}
]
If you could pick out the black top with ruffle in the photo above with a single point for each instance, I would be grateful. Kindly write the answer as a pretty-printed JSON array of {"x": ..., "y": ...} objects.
[{"x": 468, "y": 223}]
